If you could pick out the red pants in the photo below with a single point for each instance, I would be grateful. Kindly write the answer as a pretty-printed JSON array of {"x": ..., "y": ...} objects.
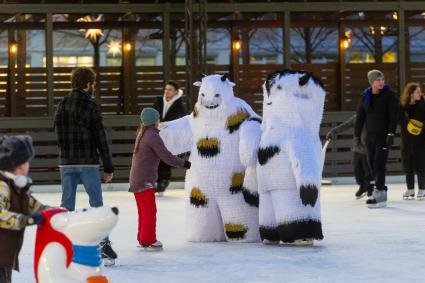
[{"x": 146, "y": 207}]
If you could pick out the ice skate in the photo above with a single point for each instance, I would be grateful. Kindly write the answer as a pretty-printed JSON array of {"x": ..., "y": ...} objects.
[
  {"x": 420, "y": 195},
  {"x": 270, "y": 243},
  {"x": 378, "y": 199},
  {"x": 108, "y": 262},
  {"x": 155, "y": 247},
  {"x": 361, "y": 192},
  {"x": 302, "y": 243},
  {"x": 409, "y": 194},
  {"x": 107, "y": 253}
]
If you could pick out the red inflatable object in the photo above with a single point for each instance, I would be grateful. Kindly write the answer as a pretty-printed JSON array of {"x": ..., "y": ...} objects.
[{"x": 46, "y": 235}]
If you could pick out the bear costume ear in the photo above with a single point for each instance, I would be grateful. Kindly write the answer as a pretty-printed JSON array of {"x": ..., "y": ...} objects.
[
  {"x": 198, "y": 84},
  {"x": 305, "y": 78},
  {"x": 225, "y": 79},
  {"x": 59, "y": 221}
]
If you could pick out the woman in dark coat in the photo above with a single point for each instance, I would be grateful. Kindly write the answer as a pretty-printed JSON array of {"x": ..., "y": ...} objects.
[
  {"x": 412, "y": 117},
  {"x": 170, "y": 107}
]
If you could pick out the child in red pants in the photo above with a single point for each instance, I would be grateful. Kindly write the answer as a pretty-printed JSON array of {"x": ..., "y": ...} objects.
[{"x": 149, "y": 149}]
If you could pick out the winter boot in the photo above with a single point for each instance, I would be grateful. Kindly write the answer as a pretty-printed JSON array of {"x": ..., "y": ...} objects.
[
  {"x": 107, "y": 253},
  {"x": 361, "y": 192},
  {"x": 378, "y": 199},
  {"x": 421, "y": 195},
  {"x": 409, "y": 194},
  {"x": 155, "y": 247}
]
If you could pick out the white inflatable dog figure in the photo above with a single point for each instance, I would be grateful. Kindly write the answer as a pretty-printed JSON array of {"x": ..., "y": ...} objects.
[
  {"x": 222, "y": 197},
  {"x": 67, "y": 245}
]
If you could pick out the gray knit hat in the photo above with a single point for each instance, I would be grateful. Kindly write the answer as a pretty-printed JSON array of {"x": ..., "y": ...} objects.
[
  {"x": 149, "y": 116},
  {"x": 15, "y": 151},
  {"x": 372, "y": 75}
]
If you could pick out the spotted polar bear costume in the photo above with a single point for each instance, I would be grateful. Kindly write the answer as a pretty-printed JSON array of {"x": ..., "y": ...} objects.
[
  {"x": 289, "y": 166},
  {"x": 221, "y": 190}
]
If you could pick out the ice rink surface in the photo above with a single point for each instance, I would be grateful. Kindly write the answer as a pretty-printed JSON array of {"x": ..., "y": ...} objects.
[{"x": 360, "y": 245}]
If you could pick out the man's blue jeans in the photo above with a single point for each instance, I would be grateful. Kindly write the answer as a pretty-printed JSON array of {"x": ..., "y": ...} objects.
[{"x": 89, "y": 177}]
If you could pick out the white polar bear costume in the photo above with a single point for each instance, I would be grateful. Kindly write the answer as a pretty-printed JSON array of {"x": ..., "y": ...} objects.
[
  {"x": 222, "y": 198},
  {"x": 289, "y": 167}
]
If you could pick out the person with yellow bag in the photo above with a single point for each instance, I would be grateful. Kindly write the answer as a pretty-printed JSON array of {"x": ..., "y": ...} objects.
[{"x": 413, "y": 139}]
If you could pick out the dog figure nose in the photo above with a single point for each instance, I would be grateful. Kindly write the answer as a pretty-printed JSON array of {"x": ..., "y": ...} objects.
[{"x": 115, "y": 210}]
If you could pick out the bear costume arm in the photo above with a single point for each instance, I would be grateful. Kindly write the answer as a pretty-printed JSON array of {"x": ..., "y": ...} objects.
[
  {"x": 177, "y": 135},
  {"x": 250, "y": 135},
  {"x": 306, "y": 159}
]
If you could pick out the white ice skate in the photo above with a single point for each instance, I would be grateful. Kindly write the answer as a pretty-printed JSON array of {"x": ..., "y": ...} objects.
[
  {"x": 302, "y": 243},
  {"x": 409, "y": 194},
  {"x": 108, "y": 262},
  {"x": 270, "y": 243},
  {"x": 378, "y": 199},
  {"x": 421, "y": 195},
  {"x": 155, "y": 247}
]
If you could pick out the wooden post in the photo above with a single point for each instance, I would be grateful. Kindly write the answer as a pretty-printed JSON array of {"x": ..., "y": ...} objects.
[
  {"x": 287, "y": 39},
  {"x": 96, "y": 67},
  {"x": 341, "y": 51},
  {"x": 21, "y": 60},
  {"x": 245, "y": 46},
  {"x": 49, "y": 65},
  {"x": 128, "y": 69},
  {"x": 234, "y": 58},
  {"x": 166, "y": 59},
  {"x": 11, "y": 88},
  {"x": 401, "y": 50}
]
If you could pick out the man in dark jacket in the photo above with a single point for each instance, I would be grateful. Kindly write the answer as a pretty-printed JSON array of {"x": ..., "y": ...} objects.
[
  {"x": 378, "y": 112},
  {"x": 170, "y": 107},
  {"x": 81, "y": 139}
]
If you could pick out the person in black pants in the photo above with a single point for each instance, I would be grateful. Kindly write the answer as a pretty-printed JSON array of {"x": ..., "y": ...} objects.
[
  {"x": 378, "y": 112},
  {"x": 362, "y": 172},
  {"x": 170, "y": 107},
  {"x": 412, "y": 118}
]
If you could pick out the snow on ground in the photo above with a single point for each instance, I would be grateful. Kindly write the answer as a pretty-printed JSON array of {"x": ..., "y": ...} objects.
[{"x": 360, "y": 245}]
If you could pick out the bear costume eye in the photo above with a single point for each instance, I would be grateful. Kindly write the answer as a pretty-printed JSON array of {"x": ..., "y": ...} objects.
[
  {"x": 202, "y": 94},
  {"x": 217, "y": 95},
  {"x": 279, "y": 87},
  {"x": 84, "y": 209}
]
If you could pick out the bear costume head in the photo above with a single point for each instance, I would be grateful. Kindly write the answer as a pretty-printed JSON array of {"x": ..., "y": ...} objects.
[
  {"x": 293, "y": 99},
  {"x": 215, "y": 97}
]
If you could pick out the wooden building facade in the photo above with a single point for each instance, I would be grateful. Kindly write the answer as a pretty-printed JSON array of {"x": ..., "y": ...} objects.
[{"x": 389, "y": 30}]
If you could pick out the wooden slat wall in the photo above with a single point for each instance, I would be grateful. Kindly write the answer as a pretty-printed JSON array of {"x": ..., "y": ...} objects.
[
  {"x": 3, "y": 92},
  {"x": 251, "y": 78},
  {"x": 356, "y": 82},
  {"x": 416, "y": 73},
  {"x": 31, "y": 93},
  {"x": 339, "y": 157},
  {"x": 121, "y": 133},
  {"x": 150, "y": 81}
]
